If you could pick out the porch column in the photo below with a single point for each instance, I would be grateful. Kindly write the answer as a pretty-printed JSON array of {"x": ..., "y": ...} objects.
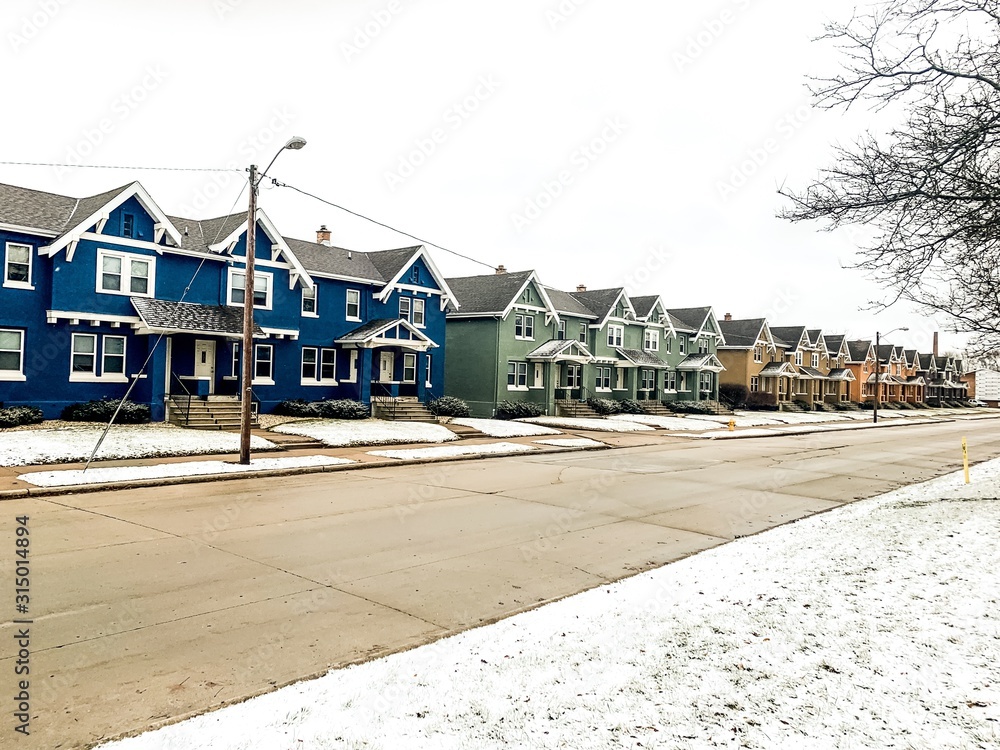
[
  {"x": 157, "y": 375},
  {"x": 365, "y": 375},
  {"x": 421, "y": 376}
]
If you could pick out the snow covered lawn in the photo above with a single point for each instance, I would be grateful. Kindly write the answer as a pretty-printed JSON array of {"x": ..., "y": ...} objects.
[
  {"x": 744, "y": 419},
  {"x": 874, "y": 625},
  {"x": 160, "y": 471},
  {"x": 571, "y": 443},
  {"x": 502, "y": 428},
  {"x": 341, "y": 432},
  {"x": 447, "y": 451},
  {"x": 669, "y": 423},
  {"x": 70, "y": 444},
  {"x": 583, "y": 423}
]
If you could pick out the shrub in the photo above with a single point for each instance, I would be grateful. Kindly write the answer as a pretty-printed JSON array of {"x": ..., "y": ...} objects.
[
  {"x": 341, "y": 409},
  {"x": 845, "y": 406},
  {"x": 868, "y": 405},
  {"x": 448, "y": 406},
  {"x": 690, "y": 407},
  {"x": 761, "y": 401},
  {"x": 295, "y": 408},
  {"x": 631, "y": 406},
  {"x": 733, "y": 395},
  {"x": 103, "y": 410},
  {"x": 919, "y": 405},
  {"x": 15, "y": 416},
  {"x": 518, "y": 409},
  {"x": 604, "y": 406},
  {"x": 803, "y": 404}
]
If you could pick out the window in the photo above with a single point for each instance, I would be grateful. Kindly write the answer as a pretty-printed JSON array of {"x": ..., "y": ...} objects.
[
  {"x": 309, "y": 356},
  {"x": 682, "y": 344},
  {"x": 561, "y": 331},
  {"x": 670, "y": 380},
  {"x": 620, "y": 379},
  {"x": 84, "y": 360},
  {"x": 353, "y": 311},
  {"x": 616, "y": 335},
  {"x": 574, "y": 376},
  {"x": 524, "y": 326},
  {"x": 667, "y": 347},
  {"x": 684, "y": 382},
  {"x": 261, "y": 289},
  {"x": 517, "y": 375},
  {"x": 758, "y": 353},
  {"x": 428, "y": 370},
  {"x": 235, "y": 364},
  {"x": 121, "y": 273},
  {"x": 815, "y": 360},
  {"x": 647, "y": 380},
  {"x": 782, "y": 386},
  {"x": 113, "y": 362},
  {"x": 702, "y": 345},
  {"x": 17, "y": 266},
  {"x": 409, "y": 368},
  {"x": 650, "y": 340},
  {"x": 583, "y": 333},
  {"x": 328, "y": 365},
  {"x": 128, "y": 225},
  {"x": 415, "y": 274},
  {"x": 418, "y": 313},
  {"x": 754, "y": 384},
  {"x": 11, "y": 354},
  {"x": 404, "y": 308},
  {"x": 263, "y": 363},
  {"x": 706, "y": 382},
  {"x": 309, "y": 307},
  {"x": 798, "y": 356},
  {"x": 602, "y": 382}
]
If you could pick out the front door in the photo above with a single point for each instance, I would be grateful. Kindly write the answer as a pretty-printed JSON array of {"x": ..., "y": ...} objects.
[
  {"x": 385, "y": 367},
  {"x": 204, "y": 362}
]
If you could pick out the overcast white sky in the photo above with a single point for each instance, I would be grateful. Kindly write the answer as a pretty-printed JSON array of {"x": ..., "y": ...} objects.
[{"x": 635, "y": 143}]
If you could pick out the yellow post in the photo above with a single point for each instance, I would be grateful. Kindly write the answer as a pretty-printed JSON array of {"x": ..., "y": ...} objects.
[
  {"x": 732, "y": 425},
  {"x": 965, "y": 459}
]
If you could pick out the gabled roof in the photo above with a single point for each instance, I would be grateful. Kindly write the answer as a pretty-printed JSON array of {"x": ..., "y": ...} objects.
[
  {"x": 392, "y": 264},
  {"x": 888, "y": 352},
  {"x": 641, "y": 358},
  {"x": 859, "y": 350},
  {"x": 335, "y": 261},
  {"x": 602, "y": 302},
  {"x": 564, "y": 302},
  {"x": 834, "y": 343},
  {"x": 701, "y": 362},
  {"x": 35, "y": 209},
  {"x": 841, "y": 373},
  {"x": 775, "y": 369},
  {"x": 792, "y": 337},
  {"x": 488, "y": 294},
  {"x": 372, "y": 334},
  {"x": 562, "y": 349},
  {"x": 815, "y": 336},
  {"x": 742, "y": 334},
  {"x": 926, "y": 361},
  {"x": 691, "y": 318},
  {"x": 644, "y": 306}
]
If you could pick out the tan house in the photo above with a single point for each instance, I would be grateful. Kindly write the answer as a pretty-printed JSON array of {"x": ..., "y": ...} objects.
[{"x": 752, "y": 359}]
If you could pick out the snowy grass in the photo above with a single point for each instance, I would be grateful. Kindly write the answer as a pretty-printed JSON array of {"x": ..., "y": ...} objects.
[
  {"x": 447, "y": 451},
  {"x": 70, "y": 444},
  {"x": 583, "y": 423},
  {"x": 342, "y": 432},
  {"x": 502, "y": 428},
  {"x": 669, "y": 423},
  {"x": 571, "y": 443},
  {"x": 161, "y": 471},
  {"x": 743, "y": 419},
  {"x": 874, "y": 625}
]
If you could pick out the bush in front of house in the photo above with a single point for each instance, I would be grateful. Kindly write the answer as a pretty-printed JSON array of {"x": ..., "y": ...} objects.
[
  {"x": 867, "y": 405},
  {"x": 690, "y": 407},
  {"x": 15, "y": 416},
  {"x": 733, "y": 395},
  {"x": 761, "y": 401},
  {"x": 295, "y": 407},
  {"x": 803, "y": 404},
  {"x": 845, "y": 406},
  {"x": 104, "y": 409},
  {"x": 332, "y": 409},
  {"x": 606, "y": 407},
  {"x": 448, "y": 406},
  {"x": 518, "y": 409},
  {"x": 631, "y": 406}
]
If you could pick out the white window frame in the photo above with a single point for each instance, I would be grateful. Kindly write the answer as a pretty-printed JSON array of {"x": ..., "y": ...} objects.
[
  {"x": 323, "y": 352},
  {"x": 121, "y": 376},
  {"x": 758, "y": 353},
  {"x": 583, "y": 333},
  {"x": 667, "y": 345},
  {"x": 754, "y": 383},
  {"x": 526, "y": 323},
  {"x": 602, "y": 379},
  {"x": 258, "y": 349},
  {"x": 650, "y": 340},
  {"x": 234, "y": 365},
  {"x": 616, "y": 335},
  {"x": 561, "y": 330},
  {"x": 126, "y": 273},
  {"x": 682, "y": 385},
  {"x": 82, "y": 375},
  {"x": 15, "y": 375},
  {"x": 235, "y": 273},
  {"x": 538, "y": 376},
  {"x": 303, "y": 377},
  {"x": 7, "y": 281},
  {"x": 705, "y": 379},
  {"x": 412, "y": 358},
  {"x": 621, "y": 383},
  {"x": 703, "y": 345},
  {"x": 405, "y": 302},
  {"x": 428, "y": 371},
  {"x": 313, "y": 295},
  {"x": 356, "y": 294},
  {"x": 670, "y": 381},
  {"x": 798, "y": 357},
  {"x": 647, "y": 379},
  {"x": 518, "y": 372},
  {"x": 682, "y": 344},
  {"x": 814, "y": 360},
  {"x": 419, "y": 310}
]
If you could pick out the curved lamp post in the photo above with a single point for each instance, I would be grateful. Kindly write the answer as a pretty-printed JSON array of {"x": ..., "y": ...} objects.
[
  {"x": 878, "y": 371},
  {"x": 294, "y": 143}
]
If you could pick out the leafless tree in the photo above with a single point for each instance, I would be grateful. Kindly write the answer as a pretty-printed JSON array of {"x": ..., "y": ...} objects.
[{"x": 929, "y": 188}]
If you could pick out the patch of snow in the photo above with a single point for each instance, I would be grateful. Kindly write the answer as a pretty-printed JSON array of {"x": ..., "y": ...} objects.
[
  {"x": 71, "y": 444},
  {"x": 571, "y": 443},
  {"x": 447, "y": 451},
  {"x": 744, "y": 419},
  {"x": 584, "y": 423},
  {"x": 745, "y": 432},
  {"x": 100, "y": 475},
  {"x": 669, "y": 423},
  {"x": 804, "y": 417},
  {"x": 341, "y": 432},
  {"x": 873, "y": 625},
  {"x": 504, "y": 428}
]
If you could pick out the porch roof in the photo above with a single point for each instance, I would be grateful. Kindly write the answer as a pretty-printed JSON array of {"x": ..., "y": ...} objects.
[
  {"x": 641, "y": 359},
  {"x": 777, "y": 369},
  {"x": 386, "y": 332},
  {"x": 562, "y": 349},
  {"x": 841, "y": 373},
  {"x": 701, "y": 362},
  {"x": 163, "y": 316},
  {"x": 811, "y": 373}
]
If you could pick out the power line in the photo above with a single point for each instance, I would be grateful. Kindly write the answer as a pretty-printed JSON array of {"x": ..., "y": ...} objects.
[
  {"x": 111, "y": 166},
  {"x": 382, "y": 224}
]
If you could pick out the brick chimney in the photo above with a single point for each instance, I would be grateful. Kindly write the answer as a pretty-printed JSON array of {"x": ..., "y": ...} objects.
[
  {"x": 323, "y": 235},
  {"x": 581, "y": 287},
  {"x": 935, "y": 345},
  {"x": 501, "y": 270},
  {"x": 727, "y": 316}
]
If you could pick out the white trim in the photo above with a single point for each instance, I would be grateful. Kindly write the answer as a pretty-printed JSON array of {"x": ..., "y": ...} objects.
[
  {"x": 347, "y": 303},
  {"x": 421, "y": 253},
  {"x": 315, "y": 300},
  {"x": 8, "y": 284},
  {"x": 280, "y": 333},
  {"x": 278, "y": 246},
  {"x": 28, "y": 230},
  {"x": 418, "y": 289},
  {"x": 15, "y": 375},
  {"x": 233, "y": 271},
  {"x": 82, "y": 375},
  {"x": 126, "y": 274}
]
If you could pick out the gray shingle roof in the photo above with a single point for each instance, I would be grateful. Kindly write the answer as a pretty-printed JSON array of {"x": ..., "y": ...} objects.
[
  {"x": 788, "y": 335},
  {"x": 815, "y": 336},
  {"x": 48, "y": 211},
  {"x": 367, "y": 331},
  {"x": 773, "y": 369},
  {"x": 554, "y": 347},
  {"x": 391, "y": 262},
  {"x": 699, "y": 362},
  {"x": 641, "y": 358},
  {"x": 486, "y": 294},
  {"x": 564, "y": 302},
  {"x": 692, "y": 318},
  {"x": 644, "y": 305},
  {"x": 188, "y": 316},
  {"x": 598, "y": 301},
  {"x": 858, "y": 350},
  {"x": 741, "y": 333},
  {"x": 833, "y": 343},
  {"x": 335, "y": 261}
]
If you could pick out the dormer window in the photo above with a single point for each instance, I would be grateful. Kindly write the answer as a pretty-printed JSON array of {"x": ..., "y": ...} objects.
[
  {"x": 798, "y": 356},
  {"x": 815, "y": 360},
  {"x": 128, "y": 225},
  {"x": 415, "y": 274}
]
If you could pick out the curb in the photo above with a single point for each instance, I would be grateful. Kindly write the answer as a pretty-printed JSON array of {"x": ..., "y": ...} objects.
[{"x": 803, "y": 431}]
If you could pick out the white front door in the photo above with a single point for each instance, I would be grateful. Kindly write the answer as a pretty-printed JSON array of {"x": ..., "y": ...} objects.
[
  {"x": 539, "y": 377},
  {"x": 385, "y": 367},
  {"x": 204, "y": 361}
]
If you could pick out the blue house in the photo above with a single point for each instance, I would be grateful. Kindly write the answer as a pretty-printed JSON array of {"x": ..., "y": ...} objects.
[{"x": 108, "y": 292}]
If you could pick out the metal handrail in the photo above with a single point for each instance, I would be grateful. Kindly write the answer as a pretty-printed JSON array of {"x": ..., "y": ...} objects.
[
  {"x": 387, "y": 402},
  {"x": 187, "y": 412}
]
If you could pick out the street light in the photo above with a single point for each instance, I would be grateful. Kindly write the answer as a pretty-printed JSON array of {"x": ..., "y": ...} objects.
[
  {"x": 878, "y": 371},
  {"x": 294, "y": 143}
]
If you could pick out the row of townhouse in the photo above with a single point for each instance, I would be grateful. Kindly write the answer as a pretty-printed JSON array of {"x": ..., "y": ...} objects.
[
  {"x": 796, "y": 363},
  {"x": 512, "y": 338},
  {"x": 108, "y": 293}
]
